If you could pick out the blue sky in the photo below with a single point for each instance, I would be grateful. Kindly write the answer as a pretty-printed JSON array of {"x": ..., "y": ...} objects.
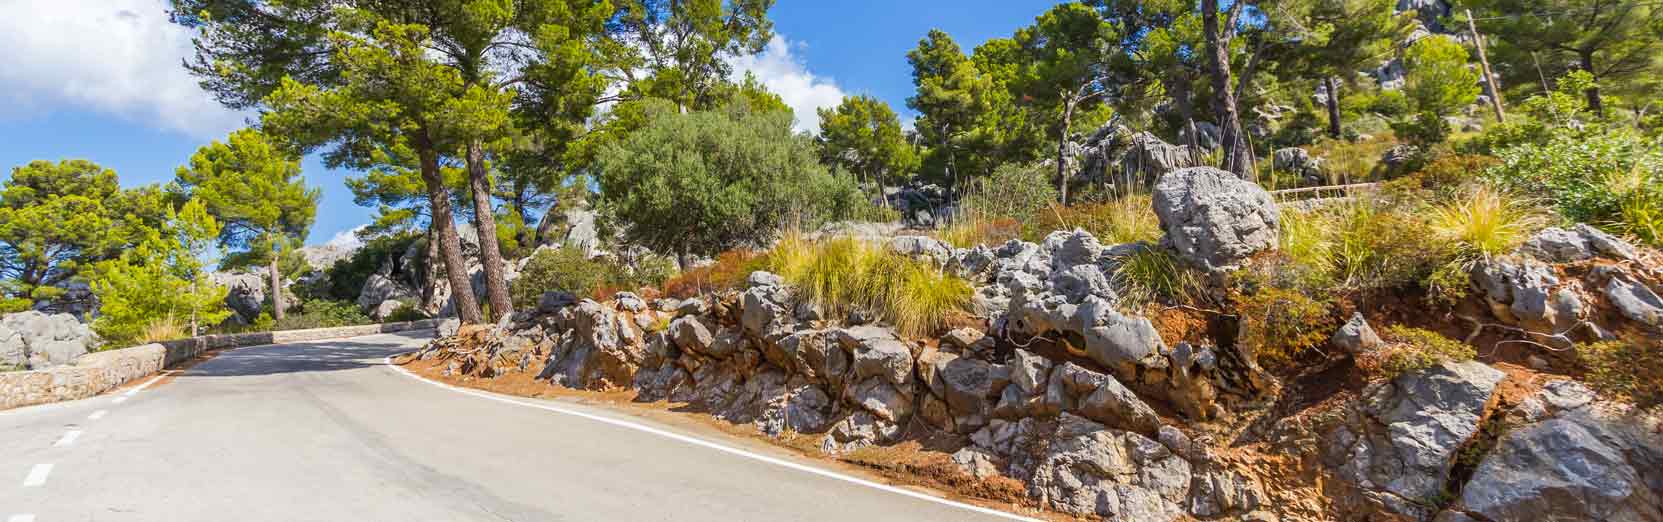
[{"x": 120, "y": 98}]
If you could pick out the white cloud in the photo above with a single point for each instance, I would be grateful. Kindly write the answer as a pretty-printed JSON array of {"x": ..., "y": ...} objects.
[
  {"x": 346, "y": 239},
  {"x": 118, "y": 57},
  {"x": 786, "y": 75}
]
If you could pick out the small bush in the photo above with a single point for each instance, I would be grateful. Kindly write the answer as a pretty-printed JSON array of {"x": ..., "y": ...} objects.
[
  {"x": 1587, "y": 177},
  {"x": 321, "y": 313},
  {"x": 1452, "y": 170},
  {"x": 844, "y": 274},
  {"x": 571, "y": 270},
  {"x": 1409, "y": 349},
  {"x": 1306, "y": 245},
  {"x": 1382, "y": 244},
  {"x": 1424, "y": 130},
  {"x": 1624, "y": 370},
  {"x": 1015, "y": 192},
  {"x": 406, "y": 312},
  {"x": 14, "y": 304},
  {"x": 727, "y": 273},
  {"x": 1279, "y": 324},
  {"x": 1639, "y": 204}
]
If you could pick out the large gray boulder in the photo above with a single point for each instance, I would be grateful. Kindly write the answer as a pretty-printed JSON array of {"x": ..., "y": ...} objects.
[
  {"x": 1214, "y": 219},
  {"x": 1581, "y": 242},
  {"x": 246, "y": 293},
  {"x": 1567, "y": 459},
  {"x": 379, "y": 288},
  {"x": 1635, "y": 301},
  {"x": 1396, "y": 449},
  {"x": 38, "y": 341},
  {"x": 1083, "y": 468}
]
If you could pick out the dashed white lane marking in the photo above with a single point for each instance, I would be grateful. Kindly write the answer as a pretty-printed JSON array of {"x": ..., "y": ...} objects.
[
  {"x": 141, "y": 387},
  {"x": 121, "y": 399},
  {"x": 37, "y": 475},
  {"x": 69, "y": 438},
  {"x": 718, "y": 447},
  {"x": 21, "y": 518},
  {"x": 98, "y": 414}
]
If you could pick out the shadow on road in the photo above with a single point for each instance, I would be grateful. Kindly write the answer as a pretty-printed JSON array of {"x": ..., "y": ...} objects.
[{"x": 322, "y": 356}]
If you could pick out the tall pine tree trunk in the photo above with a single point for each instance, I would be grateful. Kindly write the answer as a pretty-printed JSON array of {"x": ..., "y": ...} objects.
[
  {"x": 1062, "y": 147},
  {"x": 490, "y": 253},
  {"x": 1595, "y": 102},
  {"x": 450, "y": 244},
  {"x": 430, "y": 282},
  {"x": 1333, "y": 106},
  {"x": 1238, "y": 158},
  {"x": 276, "y": 287}
]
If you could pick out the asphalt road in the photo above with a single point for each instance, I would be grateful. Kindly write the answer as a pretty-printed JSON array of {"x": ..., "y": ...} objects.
[{"x": 328, "y": 431}]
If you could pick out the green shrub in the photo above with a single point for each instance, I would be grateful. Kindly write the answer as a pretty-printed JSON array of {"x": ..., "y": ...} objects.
[
  {"x": 14, "y": 304},
  {"x": 1409, "y": 349},
  {"x": 1016, "y": 192},
  {"x": 1590, "y": 178},
  {"x": 345, "y": 279},
  {"x": 570, "y": 270},
  {"x": 1624, "y": 370},
  {"x": 321, "y": 313},
  {"x": 406, "y": 312},
  {"x": 1278, "y": 324},
  {"x": 1423, "y": 130}
]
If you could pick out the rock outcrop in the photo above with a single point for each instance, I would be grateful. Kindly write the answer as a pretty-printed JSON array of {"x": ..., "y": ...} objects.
[
  {"x": 246, "y": 293},
  {"x": 1396, "y": 448},
  {"x": 34, "y": 340}
]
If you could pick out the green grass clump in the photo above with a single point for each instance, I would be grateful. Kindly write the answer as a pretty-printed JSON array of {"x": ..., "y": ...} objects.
[
  {"x": 1127, "y": 219},
  {"x": 1485, "y": 222},
  {"x": 1409, "y": 349},
  {"x": 844, "y": 274},
  {"x": 1152, "y": 274}
]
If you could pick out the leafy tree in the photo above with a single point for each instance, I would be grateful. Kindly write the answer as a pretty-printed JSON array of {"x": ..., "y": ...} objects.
[
  {"x": 1337, "y": 38},
  {"x": 255, "y": 191},
  {"x": 864, "y": 136},
  {"x": 1618, "y": 42},
  {"x": 951, "y": 95},
  {"x": 708, "y": 181},
  {"x": 59, "y": 218},
  {"x": 161, "y": 279},
  {"x": 1067, "y": 53},
  {"x": 675, "y": 49},
  {"x": 1439, "y": 80}
]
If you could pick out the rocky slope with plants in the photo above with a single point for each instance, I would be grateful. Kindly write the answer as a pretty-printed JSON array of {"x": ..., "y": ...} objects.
[{"x": 1052, "y": 363}]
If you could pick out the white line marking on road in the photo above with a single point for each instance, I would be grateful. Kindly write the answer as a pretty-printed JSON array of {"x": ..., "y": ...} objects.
[
  {"x": 718, "y": 447},
  {"x": 121, "y": 399},
  {"x": 69, "y": 438},
  {"x": 141, "y": 387},
  {"x": 21, "y": 518},
  {"x": 98, "y": 414},
  {"x": 37, "y": 475}
]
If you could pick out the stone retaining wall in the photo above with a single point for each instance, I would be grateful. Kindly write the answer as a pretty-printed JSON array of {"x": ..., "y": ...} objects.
[{"x": 99, "y": 372}]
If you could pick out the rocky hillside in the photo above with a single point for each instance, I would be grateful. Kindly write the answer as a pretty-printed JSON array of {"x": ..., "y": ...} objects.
[{"x": 1101, "y": 410}]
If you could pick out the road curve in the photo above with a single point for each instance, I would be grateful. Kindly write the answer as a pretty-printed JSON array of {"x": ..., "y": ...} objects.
[{"x": 327, "y": 431}]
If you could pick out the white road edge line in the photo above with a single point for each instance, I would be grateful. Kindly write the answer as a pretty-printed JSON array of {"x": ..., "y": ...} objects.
[
  {"x": 21, "y": 518},
  {"x": 141, "y": 387},
  {"x": 37, "y": 475},
  {"x": 98, "y": 414},
  {"x": 69, "y": 438},
  {"x": 718, "y": 447}
]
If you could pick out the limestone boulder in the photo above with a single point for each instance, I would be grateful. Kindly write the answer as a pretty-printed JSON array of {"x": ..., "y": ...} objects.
[{"x": 1214, "y": 219}]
